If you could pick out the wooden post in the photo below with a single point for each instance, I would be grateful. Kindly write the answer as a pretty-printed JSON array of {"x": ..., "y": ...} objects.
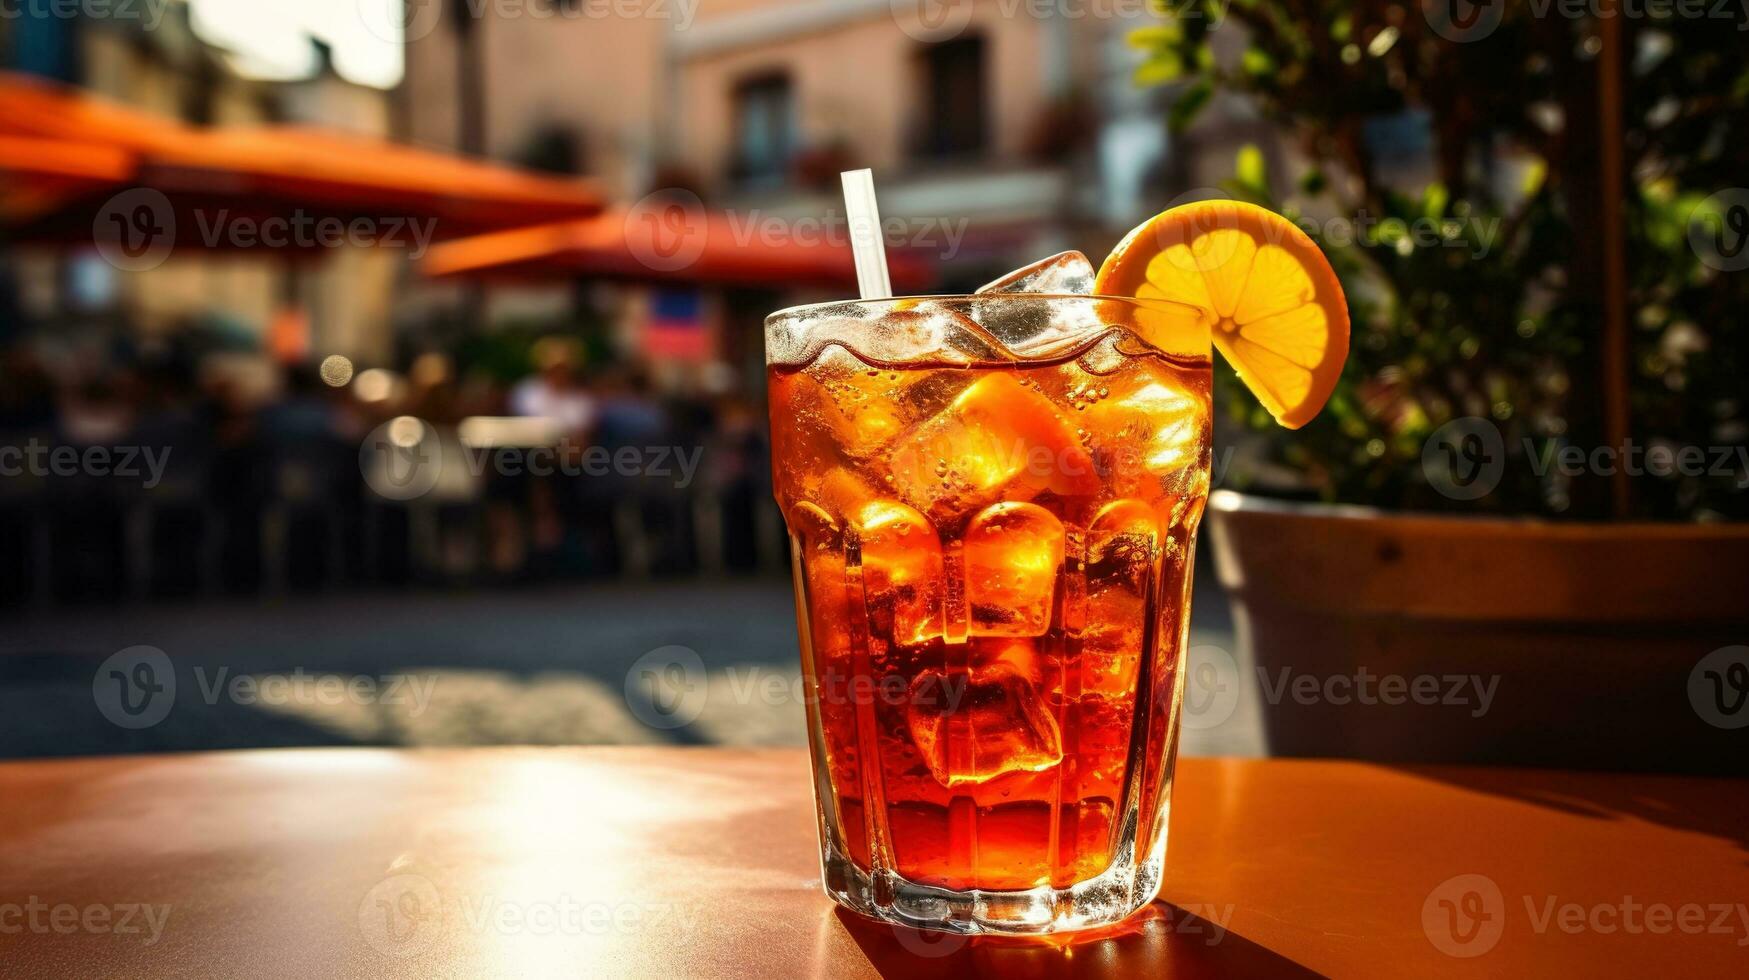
[{"x": 1615, "y": 361}]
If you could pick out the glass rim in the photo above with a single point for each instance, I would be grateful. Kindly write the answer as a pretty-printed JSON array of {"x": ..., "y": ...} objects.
[{"x": 805, "y": 309}]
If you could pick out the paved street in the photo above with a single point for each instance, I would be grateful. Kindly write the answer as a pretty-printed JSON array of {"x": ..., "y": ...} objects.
[{"x": 539, "y": 666}]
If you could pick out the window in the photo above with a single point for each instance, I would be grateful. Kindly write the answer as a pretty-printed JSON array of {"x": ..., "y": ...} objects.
[
  {"x": 764, "y": 130},
  {"x": 953, "y": 100}
]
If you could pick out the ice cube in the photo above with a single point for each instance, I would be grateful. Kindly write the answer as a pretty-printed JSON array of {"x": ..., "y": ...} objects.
[
  {"x": 1122, "y": 545},
  {"x": 817, "y": 543},
  {"x": 1152, "y": 430},
  {"x": 902, "y": 572},
  {"x": 1038, "y": 327},
  {"x": 1066, "y": 273},
  {"x": 1013, "y": 552},
  {"x": 858, "y": 403},
  {"x": 975, "y": 723},
  {"x": 999, "y": 439}
]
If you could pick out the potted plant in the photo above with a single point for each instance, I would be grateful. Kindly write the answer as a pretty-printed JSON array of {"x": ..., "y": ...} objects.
[{"x": 1529, "y": 473}]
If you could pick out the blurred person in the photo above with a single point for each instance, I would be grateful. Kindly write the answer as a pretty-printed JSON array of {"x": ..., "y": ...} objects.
[
  {"x": 307, "y": 463},
  {"x": 237, "y": 481},
  {"x": 740, "y": 475},
  {"x": 27, "y": 414},
  {"x": 87, "y": 511},
  {"x": 640, "y": 509},
  {"x": 553, "y": 391},
  {"x": 175, "y": 511}
]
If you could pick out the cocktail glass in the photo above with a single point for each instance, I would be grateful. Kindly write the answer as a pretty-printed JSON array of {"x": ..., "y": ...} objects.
[{"x": 992, "y": 503}]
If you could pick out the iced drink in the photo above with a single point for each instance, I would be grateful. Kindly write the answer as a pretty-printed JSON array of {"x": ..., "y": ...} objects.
[{"x": 992, "y": 503}]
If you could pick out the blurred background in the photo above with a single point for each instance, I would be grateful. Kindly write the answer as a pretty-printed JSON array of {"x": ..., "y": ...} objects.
[{"x": 415, "y": 347}]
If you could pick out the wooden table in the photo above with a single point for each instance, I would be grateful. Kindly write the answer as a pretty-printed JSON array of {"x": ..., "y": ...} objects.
[{"x": 701, "y": 862}]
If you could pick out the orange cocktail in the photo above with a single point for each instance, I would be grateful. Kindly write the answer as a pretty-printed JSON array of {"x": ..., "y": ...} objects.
[
  {"x": 992, "y": 503},
  {"x": 993, "y": 552}
]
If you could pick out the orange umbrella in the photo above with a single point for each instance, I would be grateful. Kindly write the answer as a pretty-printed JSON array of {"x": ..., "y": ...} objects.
[
  {"x": 656, "y": 245},
  {"x": 40, "y": 173},
  {"x": 258, "y": 173}
]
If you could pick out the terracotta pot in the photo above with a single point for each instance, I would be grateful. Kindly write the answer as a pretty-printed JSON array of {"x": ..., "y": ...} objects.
[{"x": 1592, "y": 636}]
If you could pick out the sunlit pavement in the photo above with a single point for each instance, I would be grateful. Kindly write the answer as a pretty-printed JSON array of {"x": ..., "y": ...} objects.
[{"x": 533, "y": 666}]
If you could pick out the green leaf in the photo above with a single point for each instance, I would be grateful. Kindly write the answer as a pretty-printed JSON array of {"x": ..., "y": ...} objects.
[
  {"x": 1158, "y": 36},
  {"x": 1434, "y": 199},
  {"x": 1158, "y": 70},
  {"x": 1250, "y": 171},
  {"x": 1186, "y": 108},
  {"x": 1256, "y": 61}
]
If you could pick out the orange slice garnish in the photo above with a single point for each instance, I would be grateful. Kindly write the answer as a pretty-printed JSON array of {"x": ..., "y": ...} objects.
[{"x": 1274, "y": 305}]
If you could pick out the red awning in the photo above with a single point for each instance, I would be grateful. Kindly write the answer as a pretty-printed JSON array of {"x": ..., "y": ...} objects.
[
  {"x": 37, "y": 174},
  {"x": 639, "y": 245},
  {"x": 270, "y": 171}
]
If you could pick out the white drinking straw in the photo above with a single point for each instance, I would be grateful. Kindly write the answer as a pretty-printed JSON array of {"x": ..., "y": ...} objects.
[{"x": 866, "y": 241}]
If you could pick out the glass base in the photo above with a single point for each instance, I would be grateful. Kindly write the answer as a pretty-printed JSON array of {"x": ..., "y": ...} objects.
[{"x": 1121, "y": 890}]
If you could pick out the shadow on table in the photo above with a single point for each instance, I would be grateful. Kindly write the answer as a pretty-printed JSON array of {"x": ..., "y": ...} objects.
[
  {"x": 1160, "y": 940},
  {"x": 1703, "y": 805}
]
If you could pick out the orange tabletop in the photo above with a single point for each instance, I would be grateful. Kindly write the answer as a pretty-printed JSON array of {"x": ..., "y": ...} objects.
[{"x": 682, "y": 862}]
